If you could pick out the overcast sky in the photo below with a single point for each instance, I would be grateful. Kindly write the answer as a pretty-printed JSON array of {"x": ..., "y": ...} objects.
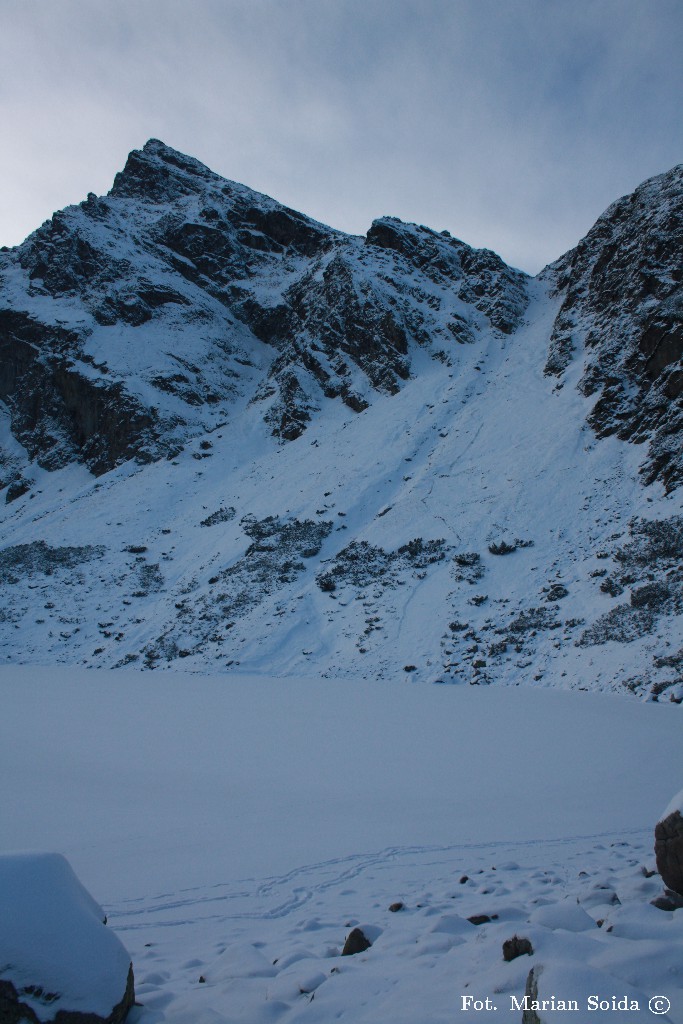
[{"x": 513, "y": 123}]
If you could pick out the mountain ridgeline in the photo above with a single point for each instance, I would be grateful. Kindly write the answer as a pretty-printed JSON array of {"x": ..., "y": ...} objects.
[
  {"x": 239, "y": 437},
  {"x": 175, "y": 250}
]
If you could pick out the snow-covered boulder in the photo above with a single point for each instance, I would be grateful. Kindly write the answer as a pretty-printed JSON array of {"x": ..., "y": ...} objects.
[
  {"x": 57, "y": 958},
  {"x": 669, "y": 845}
]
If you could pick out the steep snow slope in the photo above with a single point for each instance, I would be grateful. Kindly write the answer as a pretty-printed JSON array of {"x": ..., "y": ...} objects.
[{"x": 383, "y": 481}]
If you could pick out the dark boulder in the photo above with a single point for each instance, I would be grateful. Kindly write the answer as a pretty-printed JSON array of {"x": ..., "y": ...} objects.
[
  {"x": 668, "y": 901},
  {"x": 516, "y": 946},
  {"x": 356, "y": 942},
  {"x": 669, "y": 850}
]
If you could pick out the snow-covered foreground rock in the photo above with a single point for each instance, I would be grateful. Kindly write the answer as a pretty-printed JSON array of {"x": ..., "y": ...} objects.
[
  {"x": 56, "y": 956},
  {"x": 236, "y": 829}
]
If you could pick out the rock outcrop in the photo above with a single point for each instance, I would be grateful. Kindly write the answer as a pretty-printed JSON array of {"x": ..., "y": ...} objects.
[{"x": 622, "y": 314}]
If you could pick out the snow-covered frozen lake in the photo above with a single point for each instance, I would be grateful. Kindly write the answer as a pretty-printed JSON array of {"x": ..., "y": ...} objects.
[
  {"x": 243, "y": 813},
  {"x": 150, "y": 781}
]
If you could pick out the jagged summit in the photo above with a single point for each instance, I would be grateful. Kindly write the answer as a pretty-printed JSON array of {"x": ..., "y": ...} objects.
[
  {"x": 157, "y": 172},
  {"x": 155, "y": 149},
  {"x": 232, "y": 435}
]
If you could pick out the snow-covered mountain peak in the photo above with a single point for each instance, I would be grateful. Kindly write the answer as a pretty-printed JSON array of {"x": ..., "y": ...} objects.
[
  {"x": 232, "y": 435},
  {"x": 161, "y": 176}
]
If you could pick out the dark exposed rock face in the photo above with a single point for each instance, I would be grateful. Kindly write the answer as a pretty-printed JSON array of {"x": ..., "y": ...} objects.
[
  {"x": 166, "y": 247},
  {"x": 59, "y": 414},
  {"x": 478, "y": 276},
  {"x": 365, "y": 307},
  {"x": 623, "y": 306},
  {"x": 669, "y": 851}
]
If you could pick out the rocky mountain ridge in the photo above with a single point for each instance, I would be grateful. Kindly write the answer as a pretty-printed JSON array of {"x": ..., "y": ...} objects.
[
  {"x": 234, "y": 436},
  {"x": 175, "y": 248}
]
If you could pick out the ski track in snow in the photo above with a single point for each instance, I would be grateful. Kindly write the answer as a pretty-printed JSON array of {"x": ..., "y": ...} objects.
[{"x": 335, "y": 872}]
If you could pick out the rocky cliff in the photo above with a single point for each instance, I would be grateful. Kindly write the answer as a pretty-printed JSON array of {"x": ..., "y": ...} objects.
[{"x": 622, "y": 318}]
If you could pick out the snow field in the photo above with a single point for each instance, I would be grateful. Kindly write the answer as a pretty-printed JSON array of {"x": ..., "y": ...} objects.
[{"x": 426, "y": 957}]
